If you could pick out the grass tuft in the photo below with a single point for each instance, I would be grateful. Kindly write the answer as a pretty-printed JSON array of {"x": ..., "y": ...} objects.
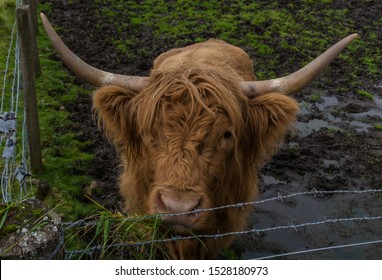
[{"x": 366, "y": 94}]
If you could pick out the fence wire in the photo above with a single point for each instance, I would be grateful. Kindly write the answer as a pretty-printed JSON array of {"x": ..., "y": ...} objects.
[
  {"x": 367, "y": 243},
  {"x": 254, "y": 230},
  {"x": 14, "y": 163},
  {"x": 280, "y": 197}
]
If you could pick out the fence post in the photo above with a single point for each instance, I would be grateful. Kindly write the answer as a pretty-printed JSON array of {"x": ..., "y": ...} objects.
[
  {"x": 32, "y": 5},
  {"x": 33, "y": 29},
  {"x": 28, "y": 74}
]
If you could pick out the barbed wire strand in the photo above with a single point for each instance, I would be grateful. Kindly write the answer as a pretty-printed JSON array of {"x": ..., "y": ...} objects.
[
  {"x": 5, "y": 178},
  {"x": 220, "y": 235},
  {"x": 13, "y": 112},
  {"x": 92, "y": 249},
  {"x": 59, "y": 247},
  {"x": 6, "y": 66},
  {"x": 320, "y": 249},
  {"x": 280, "y": 197}
]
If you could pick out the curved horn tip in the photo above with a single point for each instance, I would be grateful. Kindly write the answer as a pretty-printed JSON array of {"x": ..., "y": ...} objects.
[
  {"x": 352, "y": 37},
  {"x": 43, "y": 16},
  {"x": 45, "y": 21}
]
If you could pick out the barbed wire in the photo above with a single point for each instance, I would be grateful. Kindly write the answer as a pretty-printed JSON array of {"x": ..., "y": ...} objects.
[
  {"x": 253, "y": 230},
  {"x": 7, "y": 66},
  {"x": 6, "y": 126},
  {"x": 279, "y": 197},
  {"x": 320, "y": 249},
  {"x": 219, "y": 235},
  {"x": 59, "y": 246},
  {"x": 13, "y": 173}
]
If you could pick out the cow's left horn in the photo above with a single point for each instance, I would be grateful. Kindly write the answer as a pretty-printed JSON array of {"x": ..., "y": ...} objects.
[
  {"x": 89, "y": 73},
  {"x": 298, "y": 79}
]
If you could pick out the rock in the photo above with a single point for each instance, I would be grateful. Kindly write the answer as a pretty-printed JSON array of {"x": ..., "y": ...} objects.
[{"x": 31, "y": 230}]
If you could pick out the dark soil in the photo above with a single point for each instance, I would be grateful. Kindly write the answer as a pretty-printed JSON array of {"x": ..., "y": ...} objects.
[{"x": 336, "y": 145}]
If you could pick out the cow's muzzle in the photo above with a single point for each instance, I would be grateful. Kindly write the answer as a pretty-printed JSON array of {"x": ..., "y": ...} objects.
[{"x": 182, "y": 208}]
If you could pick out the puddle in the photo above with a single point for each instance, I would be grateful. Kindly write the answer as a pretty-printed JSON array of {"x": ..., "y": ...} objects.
[
  {"x": 270, "y": 180},
  {"x": 303, "y": 111},
  {"x": 288, "y": 212},
  {"x": 304, "y": 108},
  {"x": 370, "y": 113},
  {"x": 308, "y": 209},
  {"x": 328, "y": 102},
  {"x": 332, "y": 118},
  {"x": 304, "y": 129},
  {"x": 378, "y": 101},
  {"x": 360, "y": 126}
]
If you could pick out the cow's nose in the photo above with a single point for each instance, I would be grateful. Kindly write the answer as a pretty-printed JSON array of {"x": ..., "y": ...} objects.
[
  {"x": 172, "y": 204},
  {"x": 175, "y": 204}
]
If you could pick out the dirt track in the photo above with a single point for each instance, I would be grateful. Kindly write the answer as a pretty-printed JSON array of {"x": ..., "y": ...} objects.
[{"x": 335, "y": 147}]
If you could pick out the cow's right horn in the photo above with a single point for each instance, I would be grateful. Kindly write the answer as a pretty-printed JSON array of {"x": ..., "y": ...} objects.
[{"x": 89, "y": 73}]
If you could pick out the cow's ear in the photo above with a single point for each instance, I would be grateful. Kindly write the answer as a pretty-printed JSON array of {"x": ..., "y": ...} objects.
[
  {"x": 111, "y": 104},
  {"x": 270, "y": 117}
]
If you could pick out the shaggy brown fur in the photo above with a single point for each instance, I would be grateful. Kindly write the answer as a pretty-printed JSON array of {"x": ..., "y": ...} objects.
[{"x": 193, "y": 140}]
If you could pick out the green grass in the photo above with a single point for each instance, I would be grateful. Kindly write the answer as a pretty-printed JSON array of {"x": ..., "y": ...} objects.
[
  {"x": 315, "y": 97},
  {"x": 64, "y": 157},
  {"x": 366, "y": 94},
  {"x": 271, "y": 29},
  {"x": 117, "y": 237},
  {"x": 378, "y": 127}
]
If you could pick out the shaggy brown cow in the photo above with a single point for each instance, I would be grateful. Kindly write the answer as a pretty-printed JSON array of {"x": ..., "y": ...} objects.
[{"x": 194, "y": 134}]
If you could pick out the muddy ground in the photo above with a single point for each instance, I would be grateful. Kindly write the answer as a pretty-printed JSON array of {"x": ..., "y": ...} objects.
[{"x": 335, "y": 146}]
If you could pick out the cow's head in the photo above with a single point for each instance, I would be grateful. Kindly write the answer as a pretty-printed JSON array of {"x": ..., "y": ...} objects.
[
  {"x": 196, "y": 132},
  {"x": 196, "y": 150}
]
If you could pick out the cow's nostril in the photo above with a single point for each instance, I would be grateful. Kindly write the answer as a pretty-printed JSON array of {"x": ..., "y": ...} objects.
[
  {"x": 194, "y": 211},
  {"x": 160, "y": 206}
]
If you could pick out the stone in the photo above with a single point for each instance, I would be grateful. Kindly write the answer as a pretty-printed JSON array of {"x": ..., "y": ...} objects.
[{"x": 31, "y": 231}]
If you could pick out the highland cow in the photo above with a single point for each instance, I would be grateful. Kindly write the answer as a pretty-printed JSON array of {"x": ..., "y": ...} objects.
[{"x": 194, "y": 134}]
